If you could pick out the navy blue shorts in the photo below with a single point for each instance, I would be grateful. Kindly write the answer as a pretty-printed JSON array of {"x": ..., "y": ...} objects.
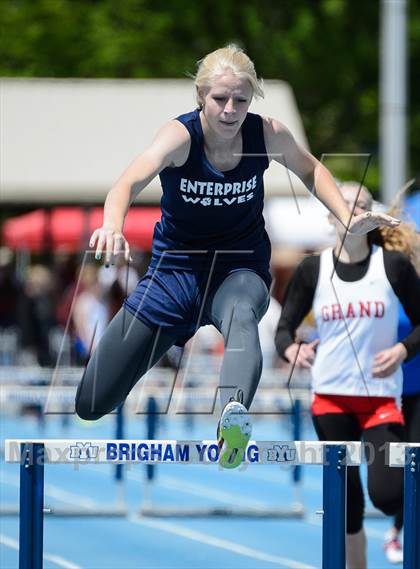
[{"x": 175, "y": 299}]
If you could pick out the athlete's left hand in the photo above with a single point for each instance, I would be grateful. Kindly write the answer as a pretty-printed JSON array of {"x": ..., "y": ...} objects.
[
  {"x": 388, "y": 361},
  {"x": 365, "y": 222}
]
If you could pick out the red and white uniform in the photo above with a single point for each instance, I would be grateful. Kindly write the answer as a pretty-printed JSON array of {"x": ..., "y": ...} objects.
[{"x": 355, "y": 321}]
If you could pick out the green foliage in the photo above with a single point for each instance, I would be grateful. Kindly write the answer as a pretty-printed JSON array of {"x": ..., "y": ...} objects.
[{"x": 326, "y": 49}]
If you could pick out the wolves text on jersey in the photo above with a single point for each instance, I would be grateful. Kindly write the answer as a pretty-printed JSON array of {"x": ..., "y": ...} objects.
[{"x": 217, "y": 193}]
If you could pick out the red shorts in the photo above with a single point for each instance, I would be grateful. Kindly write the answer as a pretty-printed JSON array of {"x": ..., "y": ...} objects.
[{"x": 370, "y": 411}]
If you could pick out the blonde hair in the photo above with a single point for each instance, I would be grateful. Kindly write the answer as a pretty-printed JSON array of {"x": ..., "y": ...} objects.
[
  {"x": 231, "y": 58},
  {"x": 403, "y": 238}
]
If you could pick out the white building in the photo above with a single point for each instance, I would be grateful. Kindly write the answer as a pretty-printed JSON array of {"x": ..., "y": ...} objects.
[{"x": 68, "y": 140}]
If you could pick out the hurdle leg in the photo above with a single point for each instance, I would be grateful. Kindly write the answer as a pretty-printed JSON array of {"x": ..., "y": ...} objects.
[
  {"x": 334, "y": 507},
  {"x": 412, "y": 508},
  {"x": 31, "y": 520},
  {"x": 119, "y": 468}
]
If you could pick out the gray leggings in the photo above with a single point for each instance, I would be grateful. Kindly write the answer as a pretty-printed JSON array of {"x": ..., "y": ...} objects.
[{"x": 129, "y": 348}]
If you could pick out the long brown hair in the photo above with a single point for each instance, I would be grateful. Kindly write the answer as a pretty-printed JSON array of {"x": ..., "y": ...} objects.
[{"x": 403, "y": 238}]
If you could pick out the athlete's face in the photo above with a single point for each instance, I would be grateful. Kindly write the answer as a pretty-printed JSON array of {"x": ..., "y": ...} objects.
[
  {"x": 226, "y": 103},
  {"x": 358, "y": 201}
]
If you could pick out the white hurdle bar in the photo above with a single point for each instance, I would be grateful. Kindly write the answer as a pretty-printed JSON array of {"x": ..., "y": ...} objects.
[{"x": 334, "y": 456}]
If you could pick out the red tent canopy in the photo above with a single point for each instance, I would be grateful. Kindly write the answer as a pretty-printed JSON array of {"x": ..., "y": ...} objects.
[{"x": 69, "y": 228}]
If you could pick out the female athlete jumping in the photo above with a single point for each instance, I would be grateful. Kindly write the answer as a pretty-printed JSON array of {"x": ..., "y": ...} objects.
[{"x": 210, "y": 255}]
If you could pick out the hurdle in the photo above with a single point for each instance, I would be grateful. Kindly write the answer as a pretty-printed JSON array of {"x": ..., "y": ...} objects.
[
  {"x": 407, "y": 455},
  {"x": 116, "y": 510},
  {"x": 150, "y": 508},
  {"x": 335, "y": 457}
]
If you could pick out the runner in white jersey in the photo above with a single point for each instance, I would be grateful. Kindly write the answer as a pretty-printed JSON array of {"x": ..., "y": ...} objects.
[
  {"x": 365, "y": 310},
  {"x": 354, "y": 290}
]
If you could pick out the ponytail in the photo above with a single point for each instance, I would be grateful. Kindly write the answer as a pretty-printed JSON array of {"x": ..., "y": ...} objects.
[{"x": 404, "y": 238}]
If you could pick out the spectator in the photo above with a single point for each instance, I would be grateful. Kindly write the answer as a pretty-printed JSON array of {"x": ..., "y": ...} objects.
[
  {"x": 36, "y": 315},
  {"x": 90, "y": 315}
]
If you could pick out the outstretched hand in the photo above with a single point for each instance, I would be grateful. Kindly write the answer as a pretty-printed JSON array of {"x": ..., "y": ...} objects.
[
  {"x": 111, "y": 242},
  {"x": 365, "y": 222}
]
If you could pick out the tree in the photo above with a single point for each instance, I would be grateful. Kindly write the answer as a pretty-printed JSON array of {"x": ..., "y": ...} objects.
[{"x": 326, "y": 49}]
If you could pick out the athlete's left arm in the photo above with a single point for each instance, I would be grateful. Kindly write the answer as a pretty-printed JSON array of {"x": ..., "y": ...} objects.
[
  {"x": 283, "y": 148},
  {"x": 405, "y": 283}
]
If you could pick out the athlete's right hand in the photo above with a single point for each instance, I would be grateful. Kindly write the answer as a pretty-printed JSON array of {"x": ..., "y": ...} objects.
[
  {"x": 110, "y": 241},
  {"x": 301, "y": 355}
]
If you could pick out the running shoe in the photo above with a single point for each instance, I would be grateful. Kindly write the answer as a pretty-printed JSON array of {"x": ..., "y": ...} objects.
[
  {"x": 393, "y": 549},
  {"x": 233, "y": 432}
]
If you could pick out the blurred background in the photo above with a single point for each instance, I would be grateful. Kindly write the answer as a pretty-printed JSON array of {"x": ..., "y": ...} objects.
[{"x": 84, "y": 86}]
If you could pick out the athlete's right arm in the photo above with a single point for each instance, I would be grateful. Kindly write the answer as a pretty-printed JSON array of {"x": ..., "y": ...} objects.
[
  {"x": 296, "y": 305},
  {"x": 169, "y": 148}
]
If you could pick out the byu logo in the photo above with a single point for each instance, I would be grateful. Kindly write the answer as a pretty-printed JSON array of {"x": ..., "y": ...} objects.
[
  {"x": 281, "y": 453},
  {"x": 83, "y": 451}
]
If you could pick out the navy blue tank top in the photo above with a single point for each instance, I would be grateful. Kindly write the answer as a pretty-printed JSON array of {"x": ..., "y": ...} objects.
[{"x": 205, "y": 210}]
